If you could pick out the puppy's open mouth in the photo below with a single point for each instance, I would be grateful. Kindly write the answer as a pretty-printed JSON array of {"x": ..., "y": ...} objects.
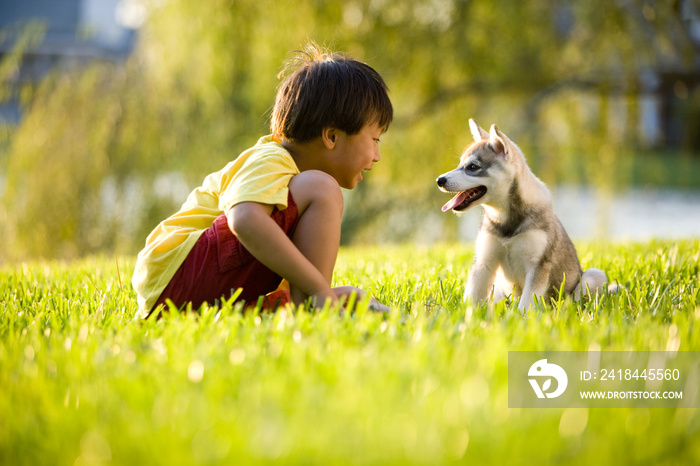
[{"x": 463, "y": 199}]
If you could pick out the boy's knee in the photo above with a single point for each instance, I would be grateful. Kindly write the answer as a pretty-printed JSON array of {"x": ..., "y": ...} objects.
[{"x": 315, "y": 186}]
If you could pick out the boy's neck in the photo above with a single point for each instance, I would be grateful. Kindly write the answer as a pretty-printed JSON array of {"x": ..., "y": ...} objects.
[{"x": 307, "y": 155}]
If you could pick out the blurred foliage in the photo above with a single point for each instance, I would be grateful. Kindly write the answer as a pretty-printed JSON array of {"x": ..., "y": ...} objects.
[{"x": 105, "y": 152}]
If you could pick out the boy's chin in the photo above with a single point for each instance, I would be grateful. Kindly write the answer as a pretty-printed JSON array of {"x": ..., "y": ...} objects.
[
  {"x": 357, "y": 180},
  {"x": 350, "y": 184}
]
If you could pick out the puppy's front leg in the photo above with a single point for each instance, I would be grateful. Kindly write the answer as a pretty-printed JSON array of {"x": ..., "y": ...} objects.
[
  {"x": 479, "y": 282},
  {"x": 483, "y": 271},
  {"x": 536, "y": 283}
]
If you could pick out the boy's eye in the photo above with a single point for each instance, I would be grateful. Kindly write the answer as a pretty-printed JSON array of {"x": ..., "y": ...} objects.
[{"x": 376, "y": 140}]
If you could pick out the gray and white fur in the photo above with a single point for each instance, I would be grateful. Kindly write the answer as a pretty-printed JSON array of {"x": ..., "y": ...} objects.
[{"x": 521, "y": 249}]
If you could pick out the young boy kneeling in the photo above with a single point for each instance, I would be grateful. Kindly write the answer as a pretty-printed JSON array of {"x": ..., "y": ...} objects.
[{"x": 275, "y": 211}]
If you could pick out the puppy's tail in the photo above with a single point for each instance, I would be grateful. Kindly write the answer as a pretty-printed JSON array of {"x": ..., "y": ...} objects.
[{"x": 592, "y": 282}]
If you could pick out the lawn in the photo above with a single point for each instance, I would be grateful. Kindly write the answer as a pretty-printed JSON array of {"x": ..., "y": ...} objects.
[{"x": 84, "y": 383}]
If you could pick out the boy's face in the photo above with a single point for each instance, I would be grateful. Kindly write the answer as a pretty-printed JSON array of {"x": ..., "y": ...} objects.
[{"x": 354, "y": 154}]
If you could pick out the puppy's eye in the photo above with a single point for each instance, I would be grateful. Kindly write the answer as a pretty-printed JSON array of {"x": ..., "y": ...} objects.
[{"x": 472, "y": 167}]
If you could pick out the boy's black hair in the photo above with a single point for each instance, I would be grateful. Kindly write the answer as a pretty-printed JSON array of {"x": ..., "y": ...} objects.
[{"x": 328, "y": 89}]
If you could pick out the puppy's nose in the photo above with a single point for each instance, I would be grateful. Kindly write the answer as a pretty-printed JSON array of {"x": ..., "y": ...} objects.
[{"x": 441, "y": 181}]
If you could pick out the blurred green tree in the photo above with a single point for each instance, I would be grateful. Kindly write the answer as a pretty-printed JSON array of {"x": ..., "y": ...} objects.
[{"x": 104, "y": 153}]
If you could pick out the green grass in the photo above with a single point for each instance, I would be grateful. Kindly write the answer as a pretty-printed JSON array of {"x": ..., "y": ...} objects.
[{"x": 83, "y": 383}]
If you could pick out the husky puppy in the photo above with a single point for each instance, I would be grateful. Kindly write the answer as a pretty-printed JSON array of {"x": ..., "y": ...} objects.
[{"x": 520, "y": 240}]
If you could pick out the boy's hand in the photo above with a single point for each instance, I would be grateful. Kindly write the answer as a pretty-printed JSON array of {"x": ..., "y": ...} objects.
[
  {"x": 346, "y": 291},
  {"x": 319, "y": 299},
  {"x": 377, "y": 306}
]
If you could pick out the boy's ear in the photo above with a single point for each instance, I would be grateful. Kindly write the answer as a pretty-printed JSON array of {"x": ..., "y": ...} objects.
[{"x": 329, "y": 135}]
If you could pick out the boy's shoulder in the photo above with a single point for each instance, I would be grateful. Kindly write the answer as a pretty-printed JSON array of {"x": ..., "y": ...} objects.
[
  {"x": 268, "y": 151},
  {"x": 270, "y": 142},
  {"x": 267, "y": 146},
  {"x": 267, "y": 158}
]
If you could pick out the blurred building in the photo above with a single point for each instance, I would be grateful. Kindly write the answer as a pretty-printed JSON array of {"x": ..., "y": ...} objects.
[
  {"x": 667, "y": 91},
  {"x": 678, "y": 85},
  {"x": 71, "y": 33}
]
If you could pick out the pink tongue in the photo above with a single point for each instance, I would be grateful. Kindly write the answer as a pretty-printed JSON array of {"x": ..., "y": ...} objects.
[{"x": 455, "y": 201}]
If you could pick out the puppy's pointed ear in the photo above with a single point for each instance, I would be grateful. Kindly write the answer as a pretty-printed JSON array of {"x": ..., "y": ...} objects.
[
  {"x": 497, "y": 142},
  {"x": 478, "y": 133}
]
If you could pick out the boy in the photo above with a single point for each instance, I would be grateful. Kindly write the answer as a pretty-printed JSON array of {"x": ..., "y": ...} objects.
[{"x": 275, "y": 211}]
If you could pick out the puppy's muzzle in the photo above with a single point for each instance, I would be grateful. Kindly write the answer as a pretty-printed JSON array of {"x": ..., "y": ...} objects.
[{"x": 441, "y": 181}]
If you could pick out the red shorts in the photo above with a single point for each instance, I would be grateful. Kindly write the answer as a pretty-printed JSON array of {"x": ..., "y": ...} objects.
[{"x": 219, "y": 264}]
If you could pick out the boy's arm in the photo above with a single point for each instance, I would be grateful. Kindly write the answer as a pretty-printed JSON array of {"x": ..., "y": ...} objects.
[{"x": 265, "y": 240}]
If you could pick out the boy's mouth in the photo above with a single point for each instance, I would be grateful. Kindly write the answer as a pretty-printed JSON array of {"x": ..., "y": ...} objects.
[{"x": 464, "y": 199}]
